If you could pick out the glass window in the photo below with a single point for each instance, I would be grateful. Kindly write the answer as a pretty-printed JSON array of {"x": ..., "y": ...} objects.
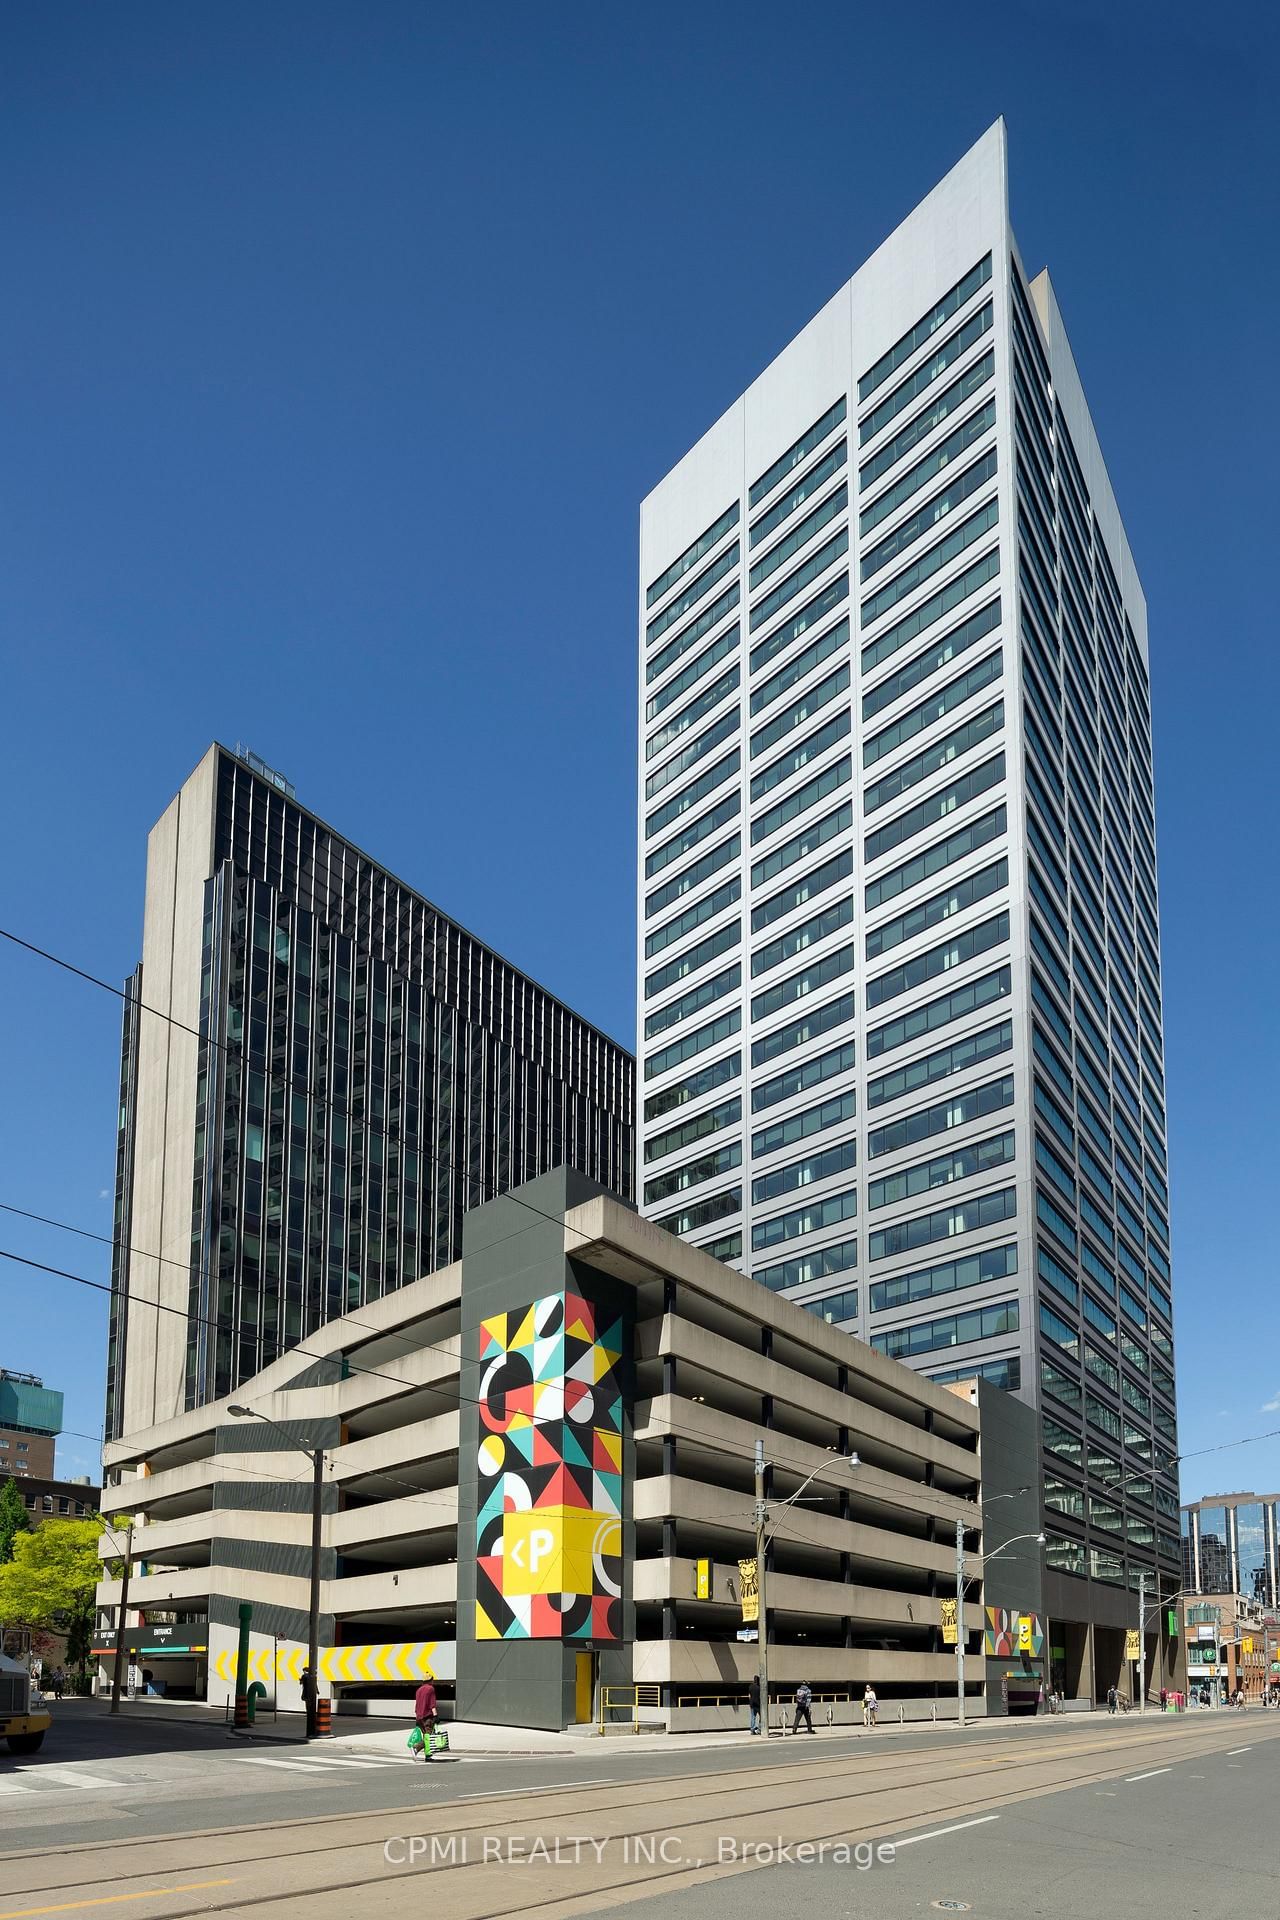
[
  {"x": 811, "y": 1219},
  {"x": 809, "y": 1172},
  {"x": 691, "y": 555},
  {"x": 924, "y": 329},
  {"x": 821, "y": 973},
  {"x": 795, "y": 716},
  {"x": 683, "y": 1091},
  {"x": 808, "y": 934},
  {"x": 816, "y": 881},
  {"x": 694, "y": 1173},
  {"x": 803, "y": 447},
  {"x": 693, "y": 917},
  {"x": 927, "y": 516},
  {"x": 689, "y": 636},
  {"x": 800, "y": 535},
  {"x": 943, "y": 906},
  {"x": 820, "y": 1264},
  {"x": 929, "y": 417},
  {"x": 689, "y": 716},
  {"x": 954, "y": 1330},
  {"x": 934, "y": 462},
  {"x": 922, "y": 866},
  {"x": 802, "y": 577},
  {"x": 816, "y": 835},
  {"x": 833, "y": 776},
  {"x": 936, "y": 960},
  {"x": 677, "y": 608},
  {"x": 795, "y": 496},
  {"x": 800, "y": 1126},
  {"x": 983, "y": 1210},
  {"x": 797, "y": 1033},
  {"x": 944, "y": 1170},
  {"x": 927, "y": 1122},
  {"x": 931, "y": 561},
  {"x": 784, "y": 1086},
  {"x": 940, "y": 1012},
  {"x": 951, "y": 1276},
  {"x": 972, "y": 1051},
  {"x": 936, "y": 707}
]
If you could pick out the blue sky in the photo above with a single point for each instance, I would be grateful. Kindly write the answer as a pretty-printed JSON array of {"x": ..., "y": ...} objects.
[{"x": 339, "y": 346}]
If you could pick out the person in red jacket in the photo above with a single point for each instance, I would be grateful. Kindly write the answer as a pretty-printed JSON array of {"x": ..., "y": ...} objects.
[{"x": 425, "y": 1711}]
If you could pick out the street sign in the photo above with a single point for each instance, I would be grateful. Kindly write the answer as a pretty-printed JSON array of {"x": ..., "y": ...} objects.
[
  {"x": 1133, "y": 1644},
  {"x": 949, "y": 1630},
  {"x": 702, "y": 1580},
  {"x": 748, "y": 1590}
]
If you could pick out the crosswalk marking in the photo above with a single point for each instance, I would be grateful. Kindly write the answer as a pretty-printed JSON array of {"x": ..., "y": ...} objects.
[
  {"x": 262, "y": 1760},
  {"x": 348, "y": 1760}
]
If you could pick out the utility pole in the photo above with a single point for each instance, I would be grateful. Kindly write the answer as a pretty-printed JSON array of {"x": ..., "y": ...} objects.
[
  {"x": 313, "y": 1628},
  {"x": 124, "y": 1603},
  {"x": 762, "y": 1617},
  {"x": 1142, "y": 1643},
  {"x": 960, "y": 1621}
]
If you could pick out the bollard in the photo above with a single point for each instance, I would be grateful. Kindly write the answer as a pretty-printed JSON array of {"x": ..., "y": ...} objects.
[
  {"x": 324, "y": 1722},
  {"x": 933, "y": 1713},
  {"x": 256, "y": 1692},
  {"x": 902, "y": 1716}
]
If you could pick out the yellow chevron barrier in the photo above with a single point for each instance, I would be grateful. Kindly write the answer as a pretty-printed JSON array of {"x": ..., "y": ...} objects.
[{"x": 395, "y": 1660}]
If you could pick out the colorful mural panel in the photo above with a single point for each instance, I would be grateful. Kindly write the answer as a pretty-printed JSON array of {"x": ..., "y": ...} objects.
[
  {"x": 1009, "y": 1631},
  {"x": 549, "y": 1508}
]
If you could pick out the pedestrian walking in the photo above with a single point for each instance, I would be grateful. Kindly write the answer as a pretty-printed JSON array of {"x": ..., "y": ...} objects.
[
  {"x": 804, "y": 1699},
  {"x": 1113, "y": 1699},
  {"x": 426, "y": 1711},
  {"x": 755, "y": 1702},
  {"x": 310, "y": 1694},
  {"x": 869, "y": 1705},
  {"x": 58, "y": 1681}
]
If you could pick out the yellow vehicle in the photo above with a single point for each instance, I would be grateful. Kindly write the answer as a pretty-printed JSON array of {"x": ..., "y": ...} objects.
[{"x": 22, "y": 1727}]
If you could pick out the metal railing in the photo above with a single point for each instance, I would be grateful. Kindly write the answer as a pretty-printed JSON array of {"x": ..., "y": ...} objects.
[{"x": 632, "y": 1698}]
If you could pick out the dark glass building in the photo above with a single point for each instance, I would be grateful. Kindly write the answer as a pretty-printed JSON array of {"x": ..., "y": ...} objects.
[{"x": 341, "y": 1072}]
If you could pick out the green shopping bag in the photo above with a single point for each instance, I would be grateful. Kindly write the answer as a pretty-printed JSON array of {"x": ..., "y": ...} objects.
[{"x": 415, "y": 1742}]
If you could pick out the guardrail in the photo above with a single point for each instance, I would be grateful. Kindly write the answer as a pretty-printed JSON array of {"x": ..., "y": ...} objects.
[{"x": 620, "y": 1699}]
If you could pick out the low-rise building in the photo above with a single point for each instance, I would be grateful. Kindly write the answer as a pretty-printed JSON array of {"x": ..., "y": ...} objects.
[
  {"x": 30, "y": 1422},
  {"x": 538, "y": 1483}
]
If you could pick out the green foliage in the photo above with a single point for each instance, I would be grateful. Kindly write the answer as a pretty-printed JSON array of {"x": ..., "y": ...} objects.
[
  {"x": 51, "y": 1578},
  {"x": 14, "y": 1518}
]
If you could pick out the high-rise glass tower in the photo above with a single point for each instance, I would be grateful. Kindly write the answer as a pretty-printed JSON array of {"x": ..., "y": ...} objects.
[
  {"x": 320, "y": 1073},
  {"x": 901, "y": 1052}
]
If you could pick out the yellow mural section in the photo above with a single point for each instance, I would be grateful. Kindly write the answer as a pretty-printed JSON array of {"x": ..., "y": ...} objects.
[{"x": 396, "y": 1660}]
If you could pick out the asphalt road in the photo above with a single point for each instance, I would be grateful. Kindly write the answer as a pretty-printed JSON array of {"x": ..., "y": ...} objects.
[{"x": 1061, "y": 1817}]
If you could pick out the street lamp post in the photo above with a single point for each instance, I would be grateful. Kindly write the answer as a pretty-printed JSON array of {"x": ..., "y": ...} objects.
[
  {"x": 762, "y": 1514},
  {"x": 961, "y": 1584},
  {"x": 316, "y": 1457}
]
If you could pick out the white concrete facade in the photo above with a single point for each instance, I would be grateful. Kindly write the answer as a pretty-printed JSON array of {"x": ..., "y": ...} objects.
[{"x": 823, "y": 902}]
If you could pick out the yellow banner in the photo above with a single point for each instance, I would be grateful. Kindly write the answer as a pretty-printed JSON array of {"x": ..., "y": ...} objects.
[
  {"x": 749, "y": 1591},
  {"x": 1132, "y": 1645},
  {"x": 395, "y": 1660},
  {"x": 702, "y": 1580},
  {"x": 1026, "y": 1633},
  {"x": 950, "y": 1633}
]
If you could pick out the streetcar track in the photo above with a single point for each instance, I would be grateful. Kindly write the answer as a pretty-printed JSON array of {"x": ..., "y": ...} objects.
[
  {"x": 739, "y": 1784},
  {"x": 637, "y": 1886}
]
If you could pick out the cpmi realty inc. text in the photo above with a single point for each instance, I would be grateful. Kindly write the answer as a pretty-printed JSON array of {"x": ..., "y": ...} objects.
[{"x": 438, "y": 1850}]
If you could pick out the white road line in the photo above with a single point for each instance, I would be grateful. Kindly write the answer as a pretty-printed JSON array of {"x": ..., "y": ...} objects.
[
  {"x": 65, "y": 1777},
  {"x": 14, "y": 1786},
  {"x": 497, "y": 1793},
  {"x": 353, "y": 1760},
  {"x": 261, "y": 1760},
  {"x": 938, "y": 1832},
  {"x": 1231, "y": 1751},
  {"x": 1131, "y": 1777}
]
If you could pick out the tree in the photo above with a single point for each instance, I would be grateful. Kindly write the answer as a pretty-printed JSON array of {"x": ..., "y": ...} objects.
[
  {"x": 50, "y": 1581},
  {"x": 14, "y": 1518}
]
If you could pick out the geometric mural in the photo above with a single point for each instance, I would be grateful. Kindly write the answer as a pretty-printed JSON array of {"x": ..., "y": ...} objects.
[
  {"x": 1009, "y": 1631},
  {"x": 549, "y": 1487}
]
